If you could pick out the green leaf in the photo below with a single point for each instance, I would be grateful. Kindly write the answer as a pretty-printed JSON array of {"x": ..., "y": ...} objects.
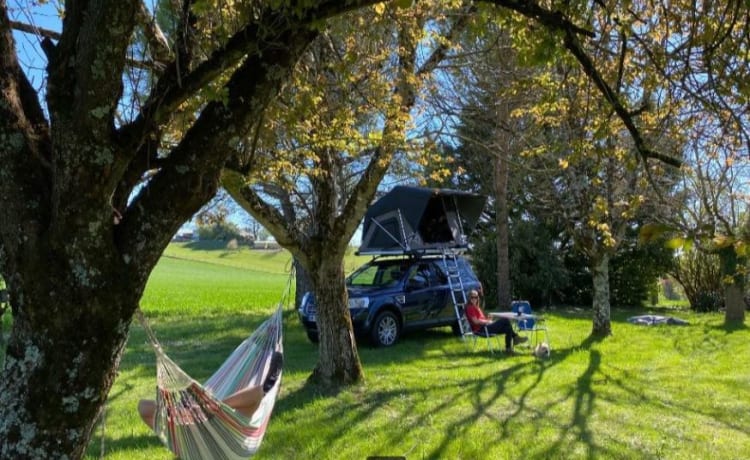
[
  {"x": 403, "y": 3},
  {"x": 676, "y": 243},
  {"x": 650, "y": 232}
]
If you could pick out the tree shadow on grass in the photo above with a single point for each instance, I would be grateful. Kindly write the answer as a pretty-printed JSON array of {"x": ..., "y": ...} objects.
[
  {"x": 730, "y": 328},
  {"x": 473, "y": 387},
  {"x": 436, "y": 351}
]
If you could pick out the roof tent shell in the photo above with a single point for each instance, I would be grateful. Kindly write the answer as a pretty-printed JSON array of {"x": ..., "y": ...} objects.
[{"x": 420, "y": 220}]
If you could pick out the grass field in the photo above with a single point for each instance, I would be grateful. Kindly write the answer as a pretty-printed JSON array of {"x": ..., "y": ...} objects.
[{"x": 646, "y": 392}]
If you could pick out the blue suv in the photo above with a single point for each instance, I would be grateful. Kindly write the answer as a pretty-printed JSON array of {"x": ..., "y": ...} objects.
[{"x": 391, "y": 295}]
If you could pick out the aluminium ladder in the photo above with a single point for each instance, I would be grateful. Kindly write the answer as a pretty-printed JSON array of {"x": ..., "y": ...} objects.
[{"x": 458, "y": 295}]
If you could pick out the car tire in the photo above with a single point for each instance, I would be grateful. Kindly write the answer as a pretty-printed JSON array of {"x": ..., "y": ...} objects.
[
  {"x": 386, "y": 329},
  {"x": 312, "y": 336}
]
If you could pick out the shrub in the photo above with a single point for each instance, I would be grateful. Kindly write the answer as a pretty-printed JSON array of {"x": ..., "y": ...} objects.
[
  {"x": 635, "y": 270},
  {"x": 699, "y": 274},
  {"x": 707, "y": 302},
  {"x": 219, "y": 231}
]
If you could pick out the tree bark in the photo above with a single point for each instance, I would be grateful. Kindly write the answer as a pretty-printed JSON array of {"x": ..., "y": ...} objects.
[
  {"x": 735, "y": 304},
  {"x": 734, "y": 292},
  {"x": 56, "y": 378},
  {"x": 501, "y": 222},
  {"x": 302, "y": 283},
  {"x": 338, "y": 360},
  {"x": 601, "y": 325}
]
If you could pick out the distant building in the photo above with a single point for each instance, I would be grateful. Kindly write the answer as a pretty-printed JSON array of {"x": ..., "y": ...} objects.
[
  {"x": 266, "y": 244},
  {"x": 184, "y": 236}
]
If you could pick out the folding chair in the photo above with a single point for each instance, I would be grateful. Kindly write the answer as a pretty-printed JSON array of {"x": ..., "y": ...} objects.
[
  {"x": 531, "y": 327},
  {"x": 469, "y": 334}
]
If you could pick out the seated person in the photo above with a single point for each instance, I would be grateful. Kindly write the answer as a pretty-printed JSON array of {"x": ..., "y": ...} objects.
[
  {"x": 244, "y": 401},
  {"x": 480, "y": 325}
]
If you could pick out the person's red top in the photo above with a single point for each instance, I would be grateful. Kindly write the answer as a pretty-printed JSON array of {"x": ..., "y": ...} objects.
[{"x": 475, "y": 315}]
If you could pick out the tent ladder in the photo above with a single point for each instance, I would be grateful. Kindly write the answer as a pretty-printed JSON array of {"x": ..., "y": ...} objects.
[{"x": 458, "y": 294}]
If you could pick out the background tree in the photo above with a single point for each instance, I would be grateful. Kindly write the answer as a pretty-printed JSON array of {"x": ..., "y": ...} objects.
[
  {"x": 692, "y": 50},
  {"x": 350, "y": 105},
  {"x": 477, "y": 87},
  {"x": 581, "y": 168},
  {"x": 699, "y": 274},
  {"x": 714, "y": 219}
]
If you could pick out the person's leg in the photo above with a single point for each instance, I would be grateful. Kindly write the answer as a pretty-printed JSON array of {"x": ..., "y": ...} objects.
[
  {"x": 503, "y": 326},
  {"x": 245, "y": 401},
  {"x": 147, "y": 409}
]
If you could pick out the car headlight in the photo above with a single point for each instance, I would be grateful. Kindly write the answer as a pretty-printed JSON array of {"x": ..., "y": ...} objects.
[{"x": 358, "y": 303}]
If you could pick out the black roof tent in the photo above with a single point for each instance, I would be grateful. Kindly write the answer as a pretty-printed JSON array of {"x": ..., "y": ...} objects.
[{"x": 420, "y": 220}]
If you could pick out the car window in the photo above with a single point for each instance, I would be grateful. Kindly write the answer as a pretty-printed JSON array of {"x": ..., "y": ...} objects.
[
  {"x": 364, "y": 276},
  {"x": 392, "y": 275},
  {"x": 415, "y": 272},
  {"x": 427, "y": 271},
  {"x": 376, "y": 275}
]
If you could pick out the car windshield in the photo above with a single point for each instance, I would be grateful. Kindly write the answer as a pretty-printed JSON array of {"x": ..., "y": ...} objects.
[{"x": 377, "y": 274}]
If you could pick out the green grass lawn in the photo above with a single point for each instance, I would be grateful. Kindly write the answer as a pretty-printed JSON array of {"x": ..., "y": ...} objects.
[{"x": 645, "y": 392}]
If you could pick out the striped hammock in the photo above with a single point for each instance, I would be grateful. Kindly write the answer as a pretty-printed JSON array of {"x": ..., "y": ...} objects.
[{"x": 191, "y": 419}]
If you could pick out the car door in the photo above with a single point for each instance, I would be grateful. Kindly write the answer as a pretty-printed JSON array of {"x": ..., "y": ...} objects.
[
  {"x": 441, "y": 306},
  {"x": 419, "y": 297}
]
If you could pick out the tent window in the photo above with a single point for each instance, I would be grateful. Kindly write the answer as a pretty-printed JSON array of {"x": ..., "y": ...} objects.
[{"x": 385, "y": 239}]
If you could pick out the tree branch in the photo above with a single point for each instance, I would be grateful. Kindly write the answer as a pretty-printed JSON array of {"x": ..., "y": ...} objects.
[
  {"x": 556, "y": 21},
  {"x": 261, "y": 36},
  {"x": 268, "y": 216},
  {"x": 157, "y": 42},
  {"x": 191, "y": 172},
  {"x": 35, "y": 30},
  {"x": 441, "y": 51}
]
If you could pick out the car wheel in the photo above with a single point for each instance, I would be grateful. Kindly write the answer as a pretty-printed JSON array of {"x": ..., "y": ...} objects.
[
  {"x": 385, "y": 329},
  {"x": 313, "y": 336}
]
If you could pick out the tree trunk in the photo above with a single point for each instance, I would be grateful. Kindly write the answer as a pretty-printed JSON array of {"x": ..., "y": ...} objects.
[
  {"x": 735, "y": 304},
  {"x": 734, "y": 292},
  {"x": 501, "y": 221},
  {"x": 62, "y": 358},
  {"x": 302, "y": 283},
  {"x": 338, "y": 359},
  {"x": 602, "y": 326}
]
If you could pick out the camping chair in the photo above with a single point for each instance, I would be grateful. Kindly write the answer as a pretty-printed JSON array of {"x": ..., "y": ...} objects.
[
  {"x": 530, "y": 327},
  {"x": 468, "y": 333}
]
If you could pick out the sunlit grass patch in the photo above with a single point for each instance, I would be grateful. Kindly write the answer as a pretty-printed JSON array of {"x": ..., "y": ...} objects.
[{"x": 645, "y": 392}]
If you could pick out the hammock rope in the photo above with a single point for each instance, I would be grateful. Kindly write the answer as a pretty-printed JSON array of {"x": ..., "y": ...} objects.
[{"x": 192, "y": 421}]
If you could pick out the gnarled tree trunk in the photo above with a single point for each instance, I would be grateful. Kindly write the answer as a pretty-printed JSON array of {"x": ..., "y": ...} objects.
[{"x": 338, "y": 358}]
